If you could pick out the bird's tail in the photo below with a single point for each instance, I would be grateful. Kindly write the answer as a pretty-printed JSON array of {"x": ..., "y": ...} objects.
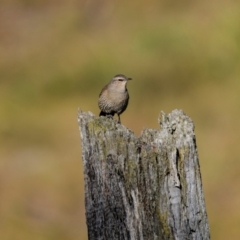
[{"x": 102, "y": 114}]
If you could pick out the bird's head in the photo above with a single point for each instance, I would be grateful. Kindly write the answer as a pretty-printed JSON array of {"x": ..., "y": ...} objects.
[{"x": 120, "y": 81}]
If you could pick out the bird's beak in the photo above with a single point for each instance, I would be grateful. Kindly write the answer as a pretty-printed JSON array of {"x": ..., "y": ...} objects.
[{"x": 129, "y": 79}]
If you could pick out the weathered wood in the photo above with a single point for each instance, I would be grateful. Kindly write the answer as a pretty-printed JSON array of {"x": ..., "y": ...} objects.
[{"x": 142, "y": 188}]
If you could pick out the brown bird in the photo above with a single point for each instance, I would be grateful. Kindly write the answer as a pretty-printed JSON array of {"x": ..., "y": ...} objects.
[{"x": 114, "y": 97}]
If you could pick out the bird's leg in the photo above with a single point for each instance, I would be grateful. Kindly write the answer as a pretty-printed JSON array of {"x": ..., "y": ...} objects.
[{"x": 119, "y": 121}]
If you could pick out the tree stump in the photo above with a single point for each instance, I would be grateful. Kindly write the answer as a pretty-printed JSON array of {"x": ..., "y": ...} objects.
[{"x": 146, "y": 187}]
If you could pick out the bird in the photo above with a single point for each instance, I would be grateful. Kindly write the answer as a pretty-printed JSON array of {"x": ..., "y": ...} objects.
[{"x": 114, "y": 97}]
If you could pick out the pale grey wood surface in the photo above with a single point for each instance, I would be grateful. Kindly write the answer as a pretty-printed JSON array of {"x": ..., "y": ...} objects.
[{"x": 142, "y": 188}]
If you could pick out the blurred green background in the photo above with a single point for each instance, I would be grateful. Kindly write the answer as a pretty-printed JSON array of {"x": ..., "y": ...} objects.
[{"x": 55, "y": 56}]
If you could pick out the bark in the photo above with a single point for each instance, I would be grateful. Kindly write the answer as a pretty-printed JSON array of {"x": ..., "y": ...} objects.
[{"x": 146, "y": 187}]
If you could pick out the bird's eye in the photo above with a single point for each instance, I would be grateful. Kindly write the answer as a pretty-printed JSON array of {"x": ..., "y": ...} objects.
[{"x": 120, "y": 79}]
